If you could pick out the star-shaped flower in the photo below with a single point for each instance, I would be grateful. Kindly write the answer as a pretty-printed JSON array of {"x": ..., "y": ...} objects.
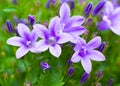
[
  {"x": 84, "y": 52},
  {"x": 26, "y": 41},
  {"x": 51, "y": 38},
  {"x": 71, "y": 25}
]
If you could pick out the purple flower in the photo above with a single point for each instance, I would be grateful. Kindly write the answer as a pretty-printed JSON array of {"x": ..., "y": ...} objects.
[
  {"x": 51, "y": 38},
  {"x": 88, "y": 9},
  {"x": 110, "y": 82},
  {"x": 16, "y": 21},
  {"x": 70, "y": 25},
  {"x": 15, "y": 2},
  {"x": 70, "y": 71},
  {"x": 98, "y": 8},
  {"x": 26, "y": 41},
  {"x": 69, "y": 62},
  {"x": 111, "y": 18},
  {"x": 99, "y": 74},
  {"x": 84, "y": 52},
  {"x": 10, "y": 27},
  {"x": 102, "y": 46},
  {"x": 23, "y": 21},
  {"x": 31, "y": 19},
  {"x": 84, "y": 78},
  {"x": 44, "y": 65},
  {"x": 49, "y": 2}
]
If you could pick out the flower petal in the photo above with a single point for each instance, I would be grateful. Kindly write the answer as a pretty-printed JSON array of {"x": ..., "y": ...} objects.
[
  {"x": 41, "y": 30},
  {"x": 115, "y": 26},
  {"x": 15, "y": 41},
  {"x": 76, "y": 21},
  {"x": 108, "y": 8},
  {"x": 55, "y": 51},
  {"x": 96, "y": 55},
  {"x": 34, "y": 35},
  {"x": 64, "y": 37},
  {"x": 76, "y": 31},
  {"x": 103, "y": 25},
  {"x": 94, "y": 43},
  {"x": 86, "y": 63},
  {"x": 41, "y": 46},
  {"x": 54, "y": 25},
  {"x": 23, "y": 30},
  {"x": 64, "y": 12},
  {"x": 21, "y": 52},
  {"x": 80, "y": 42},
  {"x": 76, "y": 58},
  {"x": 116, "y": 29}
]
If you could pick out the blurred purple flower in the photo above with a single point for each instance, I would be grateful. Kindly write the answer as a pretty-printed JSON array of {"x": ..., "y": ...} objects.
[
  {"x": 102, "y": 46},
  {"x": 110, "y": 82},
  {"x": 88, "y": 9},
  {"x": 69, "y": 62},
  {"x": 28, "y": 83},
  {"x": 26, "y": 41},
  {"x": 51, "y": 38},
  {"x": 15, "y": 2},
  {"x": 80, "y": 1},
  {"x": 99, "y": 74},
  {"x": 84, "y": 52},
  {"x": 70, "y": 71},
  {"x": 16, "y": 21},
  {"x": 111, "y": 18},
  {"x": 84, "y": 78},
  {"x": 71, "y": 25},
  {"x": 98, "y": 8},
  {"x": 50, "y": 2},
  {"x": 10, "y": 27},
  {"x": 23, "y": 21},
  {"x": 31, "y": 19},
  {"x": 44, "y": 65}
]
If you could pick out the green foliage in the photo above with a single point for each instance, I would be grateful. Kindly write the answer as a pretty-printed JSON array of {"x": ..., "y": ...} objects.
[{"x": 50, "y": 79}]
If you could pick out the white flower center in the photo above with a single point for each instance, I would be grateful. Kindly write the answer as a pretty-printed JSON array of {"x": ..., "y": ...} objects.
[
  {"x": 52, "y": 40},
  {"x": 29, "y": 44}
]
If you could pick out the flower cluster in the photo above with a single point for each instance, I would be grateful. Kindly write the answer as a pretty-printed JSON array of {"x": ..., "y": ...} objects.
[{"x": 60, "y": 30}]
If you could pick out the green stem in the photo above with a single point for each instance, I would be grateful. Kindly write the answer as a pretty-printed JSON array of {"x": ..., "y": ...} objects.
[{"x": 24, "y": 64}]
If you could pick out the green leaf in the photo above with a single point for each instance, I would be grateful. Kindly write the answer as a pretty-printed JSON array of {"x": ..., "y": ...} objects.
[
  {"x": 53, "y": 79},
  {"x": 9, "y": 10}
]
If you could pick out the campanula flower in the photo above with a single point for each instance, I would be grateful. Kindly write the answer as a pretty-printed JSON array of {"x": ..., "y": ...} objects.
[
  {"x": 71, "y": 25},
  {"x": 84, "y": 78},
  {"x": 84, "y": 52},
  {"x": 44, "y": 65},
  {"x": 51, "y": 38},
  {"x": 71, "y": 70},
  {"x": 26, "y": 41},
  {"x": 50, "y": 2},
  {"x": 98, "y": 8},
  {"x": 110, "y": 82},
  {"x": 102, "y": 46},
  {"x": 110, "y": 19},
  {"x": 10, "y": 27},
  {"x": 31, "y": 19},
  {"x": 88, "y": 9}
]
